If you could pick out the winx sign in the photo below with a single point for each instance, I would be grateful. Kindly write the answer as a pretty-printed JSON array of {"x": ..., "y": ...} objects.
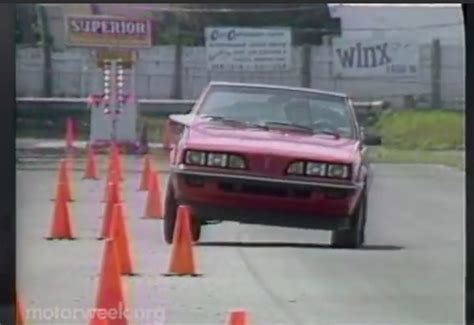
[{"x": 366, "y": 58}]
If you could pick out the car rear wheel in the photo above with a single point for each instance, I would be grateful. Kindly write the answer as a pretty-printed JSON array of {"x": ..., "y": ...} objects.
[
  {"x": 353, "y": 237},
  {"x": 171, "y": 211}
]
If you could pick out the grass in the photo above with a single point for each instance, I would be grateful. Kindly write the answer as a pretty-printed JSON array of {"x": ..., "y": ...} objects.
[{"x": 422, "y": 130}]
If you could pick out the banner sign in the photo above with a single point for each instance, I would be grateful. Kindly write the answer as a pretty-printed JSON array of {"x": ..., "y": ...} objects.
[
  {"x": 248, "y": 49},
  {"x": 106, "y": 31},
  {"x": 370, "y": 58}
]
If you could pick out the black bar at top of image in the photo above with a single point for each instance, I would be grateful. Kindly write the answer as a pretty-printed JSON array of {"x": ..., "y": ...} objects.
[
  {"x": 7, "y": 164},
  {"x": 468, "y": 11}
]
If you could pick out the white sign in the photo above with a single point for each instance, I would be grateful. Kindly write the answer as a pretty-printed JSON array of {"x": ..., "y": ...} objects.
[
  {"x": 248, "y": 49},
  {"x": 369, "y": 58}
]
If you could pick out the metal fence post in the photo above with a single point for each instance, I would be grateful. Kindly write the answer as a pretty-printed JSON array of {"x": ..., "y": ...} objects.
[
  {"x": 306, "y": 66},
  {"x": 436, "y": 101},
  {"x": 178, "y": 71}
]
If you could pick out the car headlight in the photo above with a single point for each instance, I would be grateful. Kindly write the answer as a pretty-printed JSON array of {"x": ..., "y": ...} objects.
[
  {"x": 296, "y": 168},
  {"x": 195, "y": 157},
  {"x": 217, "y": 159},
  {"x": 338, "y": 171},
  {"x": 236, "y": 162},
  {"x": 316, "y": 169},
  {"x": 307, "y": 168},
  {"x": 214, "y": 159}
]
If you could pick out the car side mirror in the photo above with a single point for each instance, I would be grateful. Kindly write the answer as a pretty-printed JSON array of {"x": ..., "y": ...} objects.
[{"x": 372, "y": 140}]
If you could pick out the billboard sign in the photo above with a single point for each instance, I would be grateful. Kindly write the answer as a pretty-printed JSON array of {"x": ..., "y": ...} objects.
[
  {"x": 248, "y": 49},
  {"x": 106, "y": 31},
  {"x": 374, "y": 57}
]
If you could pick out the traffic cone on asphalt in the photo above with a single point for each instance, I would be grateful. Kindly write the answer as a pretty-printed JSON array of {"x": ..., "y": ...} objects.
[
  {"x": 115, "y": 161},
  {"x": 91, "y": 165},
  {"x": 153, "y": 205},
  {"x": 63, "y": 178},
  {"x": 111, "y": 295},
  {"x": 62, "y": 224},
  {"x": 70, "y": 171},
  {"x": 62, "y": 193},
  {"x": 146, "y": 172},
  {"x": 150, "y": 176},
  {"x": 119, "y": 232},
  {"x": 19, "y": 312},
  {"x": 113, "y": 180},
  {"x": 113, "y": 198},
  {"x": 182, "y": 256},
  {"x": 238, "y": 317}
]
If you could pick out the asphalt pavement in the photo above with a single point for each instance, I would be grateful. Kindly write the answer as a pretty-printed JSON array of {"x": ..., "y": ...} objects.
[{"x": 410, "y": 271}]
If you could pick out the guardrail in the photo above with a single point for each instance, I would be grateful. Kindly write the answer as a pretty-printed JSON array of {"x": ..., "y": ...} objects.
[{"x": 155, "y": 106}]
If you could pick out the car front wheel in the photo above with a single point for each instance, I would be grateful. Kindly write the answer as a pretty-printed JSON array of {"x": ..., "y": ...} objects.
[
  {"x": 353, "y": 237},
  {"x": 171, "y": 211}
]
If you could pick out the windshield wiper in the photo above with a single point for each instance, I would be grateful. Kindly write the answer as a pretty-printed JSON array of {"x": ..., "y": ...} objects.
[
  {"x": 334, "y": 134},
  {"x": 290, "y": 125},
  {"x": 232, "y": 121}
]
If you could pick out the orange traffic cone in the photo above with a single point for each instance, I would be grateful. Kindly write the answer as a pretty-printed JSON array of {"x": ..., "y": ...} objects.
[
  {"x": 19, "y": 312},
  {"x": 112, "y": 199},
  {"x": 182, "y": 257},
  {"x": 115, "y": 161},
  {"x": 146, "y": 172},
  {"x": 119, "y": 166},
  {"x": 153, "y": 205},
  {"x": 119, "y": 232},
  {"x": 111, "y": 295},
  {"x": 91, "y": 166},
  {"x": 113, "y": 180},
  {"x": 70, "y": 170},
  {"x": 151, "y": 178},
  {"x": 62, "y": 193},
  {"x": 63, "y": 178},
  {"x": 238, "y": 317},
  {"x": 62, "y": 224}
]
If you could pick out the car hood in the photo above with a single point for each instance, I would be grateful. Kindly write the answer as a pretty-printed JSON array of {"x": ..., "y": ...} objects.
[{"x": 220, "y": 137}]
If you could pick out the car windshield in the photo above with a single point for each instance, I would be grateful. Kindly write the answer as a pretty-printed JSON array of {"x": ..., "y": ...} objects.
[{"x": 279, "y": 108}]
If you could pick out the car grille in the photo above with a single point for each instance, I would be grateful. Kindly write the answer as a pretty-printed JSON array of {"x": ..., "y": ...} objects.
[
  {"x": 265, "y": 190},
  {"x": 269, "y": 189}
]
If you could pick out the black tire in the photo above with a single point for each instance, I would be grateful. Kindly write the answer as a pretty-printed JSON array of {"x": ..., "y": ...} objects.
[
  {"x": 171, "y": 211},
  {"x": 195, "y": 229},
  {"x": 354, "y": 237}
]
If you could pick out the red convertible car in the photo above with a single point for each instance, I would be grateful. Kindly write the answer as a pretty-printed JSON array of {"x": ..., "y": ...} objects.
[{"x": 270, "y": 155}]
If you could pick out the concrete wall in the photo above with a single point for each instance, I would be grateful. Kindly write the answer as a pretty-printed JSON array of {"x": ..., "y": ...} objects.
[{"x": 75, "y": 75}]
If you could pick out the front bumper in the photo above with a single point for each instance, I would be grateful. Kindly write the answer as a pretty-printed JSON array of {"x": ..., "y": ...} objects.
[{"x": 260, "y": 200}]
